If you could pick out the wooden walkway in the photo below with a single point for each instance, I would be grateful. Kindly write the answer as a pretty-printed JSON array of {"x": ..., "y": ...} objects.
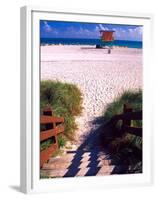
[
  {"x": 90, "y": 158},
  {"x": 79, "y": 163}
]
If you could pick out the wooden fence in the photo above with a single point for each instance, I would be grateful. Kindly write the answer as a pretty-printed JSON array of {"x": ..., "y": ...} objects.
[
  {"x": 53, "y": 126},
  {"x": 127, "y": 116}
]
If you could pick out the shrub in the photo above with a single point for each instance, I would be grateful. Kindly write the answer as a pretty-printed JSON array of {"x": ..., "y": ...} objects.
[
  {"x": 61, "y": 141},
  {"x": 65, "y": 100},
  {"x": 131, "y": 98},
  {"x": 128, "y": 148},
  {"x": 45, "y": 144}
]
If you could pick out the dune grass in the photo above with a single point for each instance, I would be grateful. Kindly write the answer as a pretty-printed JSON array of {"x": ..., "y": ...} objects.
[
  {"x": 128, "y": 148},
  {"x": 66, "y": 101},
  {"x": 131, "y": 98}
]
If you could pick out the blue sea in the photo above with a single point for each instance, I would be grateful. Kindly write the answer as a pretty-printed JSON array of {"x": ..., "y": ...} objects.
[{"x": 76, "y": 41}]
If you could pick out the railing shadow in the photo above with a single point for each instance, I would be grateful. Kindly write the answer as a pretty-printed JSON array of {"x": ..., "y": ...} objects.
[
  {"x": 96, "y": 145},
  {"x": 92, "y": 145}
]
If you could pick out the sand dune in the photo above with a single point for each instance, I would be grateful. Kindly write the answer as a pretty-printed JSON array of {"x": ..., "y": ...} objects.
[{"x": 100, "y": 76}]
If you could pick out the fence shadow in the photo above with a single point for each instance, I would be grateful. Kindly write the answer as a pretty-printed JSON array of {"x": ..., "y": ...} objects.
[
  {"x": 95, "y": 148},
  {"x": 95, "y": 143}
]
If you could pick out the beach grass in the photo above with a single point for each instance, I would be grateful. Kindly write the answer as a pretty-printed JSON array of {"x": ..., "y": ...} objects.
[
  {"x": 127, "y": 148},
  {"x": 66, "y": 101},
  {"x": 132, "y": 99}
]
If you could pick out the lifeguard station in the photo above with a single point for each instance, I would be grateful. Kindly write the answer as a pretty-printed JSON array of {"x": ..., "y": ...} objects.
[{"x": 107, "y": 37}]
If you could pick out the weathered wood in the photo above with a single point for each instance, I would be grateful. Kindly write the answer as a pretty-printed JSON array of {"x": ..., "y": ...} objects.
[
  {"x": 52, "y": 129},
  {"x": 107, "y": 36},
  {"x": 127, "y": 116},
  {"x": 47, "y": 153},
  {"x": 50, "y": 119},
  {"x": 52, "y": 132},
  {"x": 47, "y": 111},
  {"x": 126, "y": 109},
  {"x": 56, "y": 139},
  {"x": 133, "y": 130}
]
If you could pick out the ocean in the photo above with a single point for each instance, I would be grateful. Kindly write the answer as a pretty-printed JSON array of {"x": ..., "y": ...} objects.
[{"x": 77, "y": 41}]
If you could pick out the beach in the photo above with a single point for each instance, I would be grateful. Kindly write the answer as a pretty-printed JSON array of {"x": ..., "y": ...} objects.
[{"x": 100, "y": 76}]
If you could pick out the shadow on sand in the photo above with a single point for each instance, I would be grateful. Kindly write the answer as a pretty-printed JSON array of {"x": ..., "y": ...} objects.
[
  {"x": 94, "y": 144},
  {"x": 94, "y": 48}
]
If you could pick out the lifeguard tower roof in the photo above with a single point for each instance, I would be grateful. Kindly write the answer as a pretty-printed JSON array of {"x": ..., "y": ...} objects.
[{"x": 107, "y": 35}]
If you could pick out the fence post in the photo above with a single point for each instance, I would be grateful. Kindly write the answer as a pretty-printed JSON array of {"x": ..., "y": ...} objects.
[
  {"x": 126, "y": 109},
  {"x": 48, "y": 111},
  {"x": 56, "y": 138}
]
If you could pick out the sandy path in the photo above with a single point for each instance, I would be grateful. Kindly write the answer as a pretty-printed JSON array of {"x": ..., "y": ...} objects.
[{"x": 100, "y": 76}]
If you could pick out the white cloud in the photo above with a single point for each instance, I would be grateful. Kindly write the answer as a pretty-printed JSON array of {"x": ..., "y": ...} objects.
[
  {"x": 104, "y": 28},
  {"x": 139, "y": 30},
  {"x": 97, "y": 28},
  {"x": 128, "y": 34},
  {"x": 136, "y": 33},
  {"x": 121, "y": 32},
  {"x": 82, "y": 32},
  {"x": 101, "y": 27},
  {"x": 47, "y": 27}
]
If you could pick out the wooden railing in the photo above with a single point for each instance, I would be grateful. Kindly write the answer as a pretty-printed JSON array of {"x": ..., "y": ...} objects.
[
  {"x": 53, "y": 126},
  {"x": 127, "y": 116}
]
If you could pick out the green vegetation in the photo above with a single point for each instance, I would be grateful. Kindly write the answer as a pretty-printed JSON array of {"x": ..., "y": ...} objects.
[
  {"x": 45, "y": 144},
  {"x": 66, "y": 101},
  {"x": 42, "y": 176},
  {"x": 131, "y": 98},
  {"x": 61, "y": 141},
  {"x": 127, "y": 148}
]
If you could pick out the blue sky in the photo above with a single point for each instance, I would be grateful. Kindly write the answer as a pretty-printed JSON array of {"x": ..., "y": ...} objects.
[{"x": 56, "y": 29}]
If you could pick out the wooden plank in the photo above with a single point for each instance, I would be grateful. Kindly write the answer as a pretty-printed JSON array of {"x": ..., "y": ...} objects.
[
  {"x": 47, "y": 134},
  {"x": 133, "y": 130},
  {"x": 107, "y": 36},
  {"x": 126, "y": 109},
  {"x": 50, "y": 119},
  {"x": 52, "y": 132},
  {"x": 47, "y": 153},
  {"x": 47, "y": 111},
  {"x": 126, "y": 116},
  {"x": 132, "y": 115},
  {"x": 56, "y": 139}
]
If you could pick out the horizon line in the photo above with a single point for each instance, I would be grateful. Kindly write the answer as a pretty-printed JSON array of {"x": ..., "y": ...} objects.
[{"x": 88, "y": 39}]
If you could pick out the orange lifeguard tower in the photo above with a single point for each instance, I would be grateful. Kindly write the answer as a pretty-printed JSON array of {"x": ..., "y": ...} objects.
[{"x": 107, "y": 36}]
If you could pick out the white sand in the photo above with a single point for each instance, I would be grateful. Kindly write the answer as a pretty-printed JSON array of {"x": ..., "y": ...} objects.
[{"x": 100, "y": 76}]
